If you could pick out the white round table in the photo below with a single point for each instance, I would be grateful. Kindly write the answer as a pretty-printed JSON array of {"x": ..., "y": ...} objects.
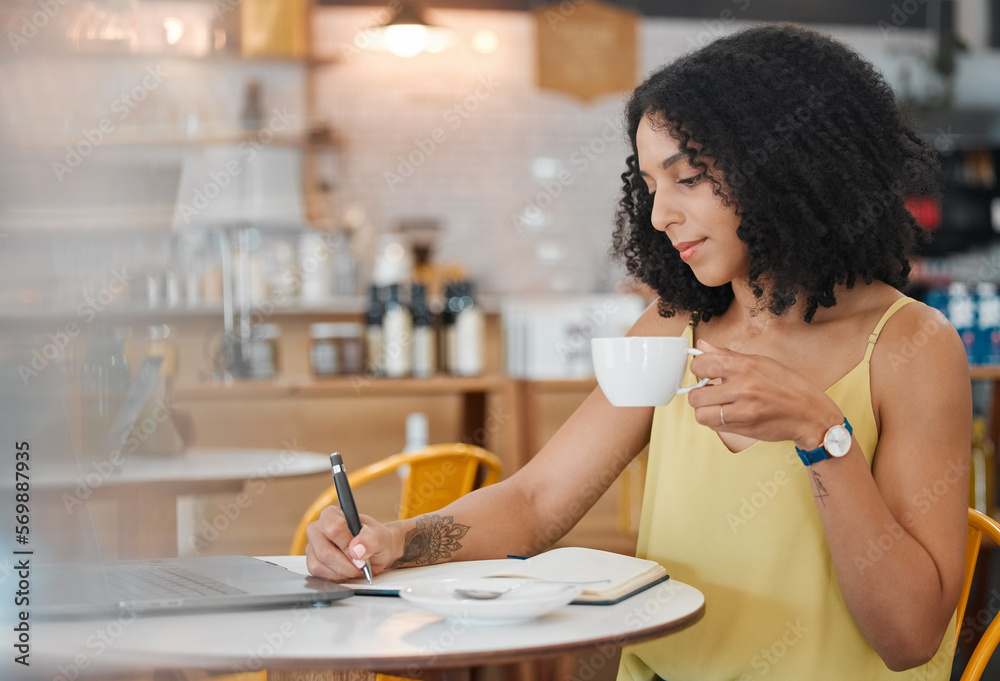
[{"x": 357, "y": 636}]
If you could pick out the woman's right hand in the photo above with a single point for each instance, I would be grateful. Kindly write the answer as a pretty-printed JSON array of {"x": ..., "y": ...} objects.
[{"x": 333, "y": 553}]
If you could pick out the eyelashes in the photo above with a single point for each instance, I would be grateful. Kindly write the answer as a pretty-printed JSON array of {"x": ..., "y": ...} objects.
[{"x": 685, "y": 181}]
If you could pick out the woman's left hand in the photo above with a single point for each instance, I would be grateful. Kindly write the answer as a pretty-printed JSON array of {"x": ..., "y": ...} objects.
[{"x": 759, "y": 398}]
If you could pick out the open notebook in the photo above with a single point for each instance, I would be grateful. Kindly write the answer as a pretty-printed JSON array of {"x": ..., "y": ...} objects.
[{"x": 612, "y": 577}]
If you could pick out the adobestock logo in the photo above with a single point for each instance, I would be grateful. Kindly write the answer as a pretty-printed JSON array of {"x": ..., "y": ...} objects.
[
  {"x": 88, "y": 310},
  {"x": 532, "y": 215},
  {"x": 221, "y": 178},
  {"x": 751, "y": 505},
  {"x": 454, "y": 117}
]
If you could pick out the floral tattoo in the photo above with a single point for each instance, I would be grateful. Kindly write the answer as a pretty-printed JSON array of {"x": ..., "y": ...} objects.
[{"x": 432, "y": 540}]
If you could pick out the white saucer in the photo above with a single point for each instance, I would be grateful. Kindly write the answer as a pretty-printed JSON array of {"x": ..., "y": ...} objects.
[{"x": 527, "y": 600}]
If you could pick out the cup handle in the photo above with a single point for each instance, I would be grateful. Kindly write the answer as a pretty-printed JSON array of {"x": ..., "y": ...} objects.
[{"x": 685, "y": 390}]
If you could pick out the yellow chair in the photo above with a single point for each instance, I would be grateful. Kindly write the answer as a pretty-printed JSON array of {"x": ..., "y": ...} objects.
[
  {"x": 979, "y": 524},
  {"x": 436, "y": 476}
]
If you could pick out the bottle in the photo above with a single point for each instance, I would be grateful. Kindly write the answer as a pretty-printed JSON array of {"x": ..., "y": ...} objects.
[
  {"x": 165, "y": 439},
  {"x": 397, "y": 335},
  {"x": 374, "y": 349},
  {"x": 416, "y": 439},
  {"x": 316, "y": 267},
  {"x": 962, "y": 315},
  {"x": 982, "y": 470},
  {"x": 987, "y": 324},
  {"x": 416, "y": 432},
  {"x": 345, "y": 267},
  {"x": 251, "y": 116},
  {"x": 104, "y": 378},
  {"x": 160, "y": 344},
  {"x": 452, "y": 302},
  {"x": 468, "y": 333},
  {"x": 262, "y": 351},
  {"x": 424, "y": 355}
]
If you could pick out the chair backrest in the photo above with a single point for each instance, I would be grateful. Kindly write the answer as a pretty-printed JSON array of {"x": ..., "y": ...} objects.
[
  {"x": 435, "y": 476},
  {"x": 979, "y": 524}
]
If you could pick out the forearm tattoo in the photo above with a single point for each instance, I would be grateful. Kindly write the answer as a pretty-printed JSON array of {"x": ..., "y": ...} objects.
[
  {"x": 821, "y": 492},
  {"x": 433, "y": 539}
]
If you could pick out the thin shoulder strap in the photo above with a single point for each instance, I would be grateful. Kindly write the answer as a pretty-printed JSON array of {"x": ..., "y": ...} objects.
[
  {"x": 873, "y": 336},
  {"x": 689, "y": 330}
]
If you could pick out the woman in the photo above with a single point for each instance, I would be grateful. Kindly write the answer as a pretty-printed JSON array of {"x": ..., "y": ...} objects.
[{"x": 815, "y": 491}]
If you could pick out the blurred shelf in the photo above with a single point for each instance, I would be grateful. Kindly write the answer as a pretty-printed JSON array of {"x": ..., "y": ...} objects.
[
  {"x": 347, "y": 386},
  {"x": 221, "y": 58},
  {"x": 960, "y": 129},
  {"x": 985, "y": 373},
  {"x": 65, "y": 222},
  {"x": 262, "y": 312},
  {"x": 552, "y": 385},
  {"x": 116, "y": 139},
  {"x": 340, "y": 305},
  {"x": 369, "y": 385}
]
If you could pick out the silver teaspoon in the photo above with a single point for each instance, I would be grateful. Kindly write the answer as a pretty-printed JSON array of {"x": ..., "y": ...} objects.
[
  {"x": 485, "y": 594},
  {"x": 490, "y": 594}
]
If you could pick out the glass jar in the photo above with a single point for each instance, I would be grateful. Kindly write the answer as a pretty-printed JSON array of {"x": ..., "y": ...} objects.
[
  {"x": 262, "y": 351},
  {"x": 336, "y": 348},
  {"x": 325, "y": 351},
  {"x": 352, "y": 342}
]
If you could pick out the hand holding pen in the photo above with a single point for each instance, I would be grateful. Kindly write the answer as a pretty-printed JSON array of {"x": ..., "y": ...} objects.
[{"x": 347, "y": 505}]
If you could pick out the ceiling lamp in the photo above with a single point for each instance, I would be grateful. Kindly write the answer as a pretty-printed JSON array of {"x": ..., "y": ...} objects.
[{"x": 405, "y": 34}]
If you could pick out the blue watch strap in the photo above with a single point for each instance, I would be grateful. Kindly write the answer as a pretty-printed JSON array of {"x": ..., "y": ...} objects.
[{"x": 819, "y": 454}]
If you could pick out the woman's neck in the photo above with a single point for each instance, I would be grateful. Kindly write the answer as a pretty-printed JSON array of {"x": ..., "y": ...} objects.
[
  {"x": 748, "y": 309},
  {"x": 750, "y": 312}
]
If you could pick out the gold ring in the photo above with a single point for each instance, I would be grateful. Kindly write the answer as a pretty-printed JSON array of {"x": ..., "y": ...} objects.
[{"x": 722, "y": 416}]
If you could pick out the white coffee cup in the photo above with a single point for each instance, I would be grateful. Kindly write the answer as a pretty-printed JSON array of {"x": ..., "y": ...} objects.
[{"x": 642, "y": 371}]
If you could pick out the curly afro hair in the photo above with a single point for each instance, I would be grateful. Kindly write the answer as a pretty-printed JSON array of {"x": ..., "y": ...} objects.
[{"x": 809, "y": 147}]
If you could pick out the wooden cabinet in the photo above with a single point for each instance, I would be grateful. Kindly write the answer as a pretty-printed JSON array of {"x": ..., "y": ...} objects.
[{"x": 320, "y": 413}]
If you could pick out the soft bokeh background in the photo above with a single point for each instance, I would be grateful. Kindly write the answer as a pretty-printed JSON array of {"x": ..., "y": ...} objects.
[{"x": 125, "y": 173}]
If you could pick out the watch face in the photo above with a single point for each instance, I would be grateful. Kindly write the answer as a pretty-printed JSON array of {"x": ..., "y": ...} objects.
[{"x": 837, "y": 441}]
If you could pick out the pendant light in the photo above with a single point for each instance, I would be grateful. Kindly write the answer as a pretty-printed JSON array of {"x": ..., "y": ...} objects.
[{"x": 405, "y": 34}]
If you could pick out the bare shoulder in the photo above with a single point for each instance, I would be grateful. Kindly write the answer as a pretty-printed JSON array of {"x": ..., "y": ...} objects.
[
  {"x": 651, "y": 323},
  {"x": 920, "y": 385},
  {"x": 916, "y": 341}
]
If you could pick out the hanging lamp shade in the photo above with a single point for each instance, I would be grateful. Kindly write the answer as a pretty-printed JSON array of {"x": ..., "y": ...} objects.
[{"x": 406, "y": 34}]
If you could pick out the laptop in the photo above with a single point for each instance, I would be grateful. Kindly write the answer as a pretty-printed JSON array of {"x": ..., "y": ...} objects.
[
  {"x": 92, "y": 586},
  {"x": 174, "y": 585}
]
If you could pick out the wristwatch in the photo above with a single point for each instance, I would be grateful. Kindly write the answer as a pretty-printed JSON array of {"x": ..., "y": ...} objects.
[{"x": 836, "y": 443}]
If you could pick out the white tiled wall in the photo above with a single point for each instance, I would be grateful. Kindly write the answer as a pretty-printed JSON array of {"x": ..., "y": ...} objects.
[
  {"x": 522, "y": 181},
  {"x": 492, "y": 178}
]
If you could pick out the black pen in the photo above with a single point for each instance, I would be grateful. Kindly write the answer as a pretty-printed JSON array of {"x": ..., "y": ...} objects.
[{"x": 347, "y": 503}]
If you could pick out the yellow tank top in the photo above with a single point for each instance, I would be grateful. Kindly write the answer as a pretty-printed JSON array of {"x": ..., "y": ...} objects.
[{"x": 743, "y": 528}]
